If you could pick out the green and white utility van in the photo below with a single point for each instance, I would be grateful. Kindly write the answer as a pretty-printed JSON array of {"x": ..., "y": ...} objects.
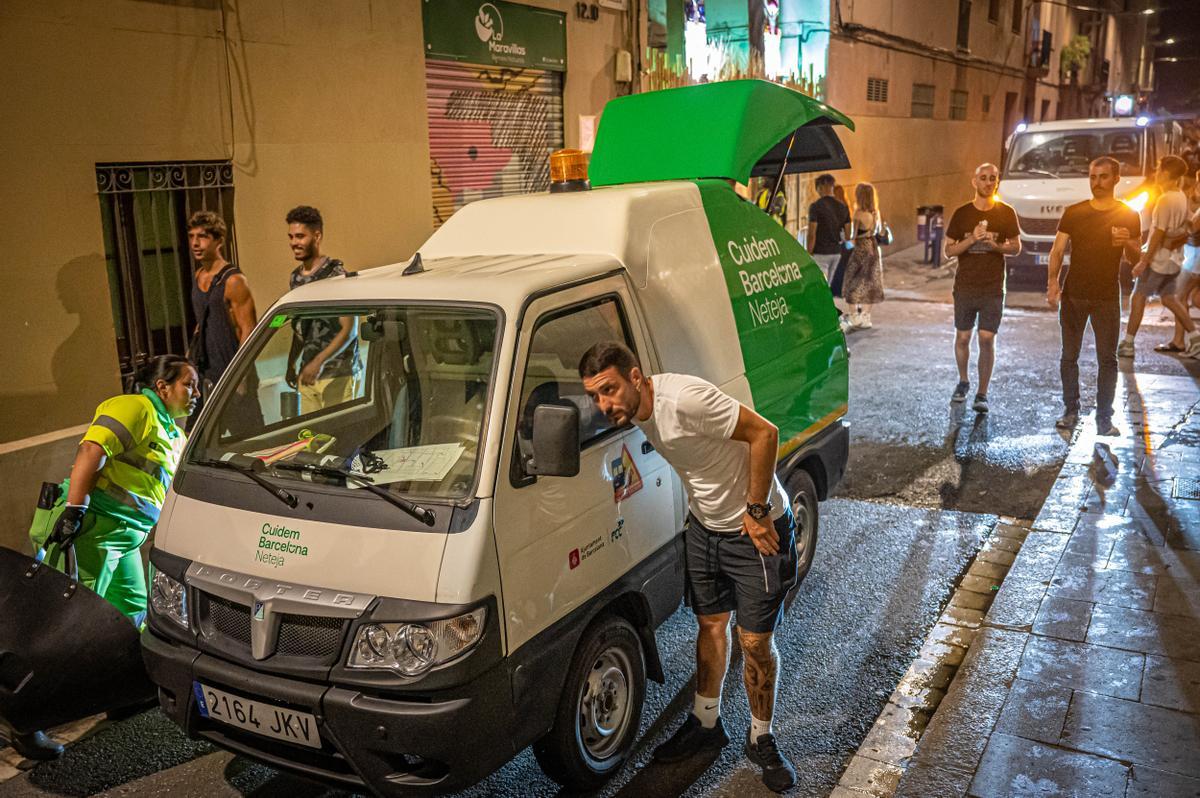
[{"x": 443, "y": 554}]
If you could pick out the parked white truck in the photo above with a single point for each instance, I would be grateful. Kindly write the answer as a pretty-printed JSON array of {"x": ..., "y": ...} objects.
[{"x": 1046, "y": 168}]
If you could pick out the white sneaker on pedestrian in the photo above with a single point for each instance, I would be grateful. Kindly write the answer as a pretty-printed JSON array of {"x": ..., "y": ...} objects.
[
  {"x": 1125, "y": 348},
  {"x": 1191, "y": 344},
  {"x": 865, "y": 320}
]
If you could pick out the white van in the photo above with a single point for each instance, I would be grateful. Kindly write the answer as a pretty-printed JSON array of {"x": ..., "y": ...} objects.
[
  {"x": 1046, "y": 168},
  {"x": 451, "y": 555}
]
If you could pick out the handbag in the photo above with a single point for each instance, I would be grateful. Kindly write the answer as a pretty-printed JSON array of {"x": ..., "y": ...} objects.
[{"x": 883, "y": 235}]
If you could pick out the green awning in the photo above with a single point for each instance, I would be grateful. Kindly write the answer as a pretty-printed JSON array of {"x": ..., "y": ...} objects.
[{"x": 734, "y": 129}]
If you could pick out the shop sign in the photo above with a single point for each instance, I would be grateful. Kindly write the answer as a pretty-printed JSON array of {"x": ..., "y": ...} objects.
[{"x": 495, "y": 33}]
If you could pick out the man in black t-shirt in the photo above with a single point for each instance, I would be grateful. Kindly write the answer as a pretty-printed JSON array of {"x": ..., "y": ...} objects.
[
  {"x": 1098, "y": 231},
  {"x": 980, "y": 234},
  {"x": 828, "y": 226}
]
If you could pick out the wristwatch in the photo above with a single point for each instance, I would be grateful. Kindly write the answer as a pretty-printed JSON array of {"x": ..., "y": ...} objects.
[{"x": 758, "y": 511}]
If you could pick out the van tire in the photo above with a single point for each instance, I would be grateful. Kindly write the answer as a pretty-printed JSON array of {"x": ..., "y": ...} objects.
[
  {"x": 803, "y": 492},
  {"x": 583, "y": 750}
]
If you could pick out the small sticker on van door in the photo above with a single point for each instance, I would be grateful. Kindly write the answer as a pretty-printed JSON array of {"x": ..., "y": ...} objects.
[{"x": 626, "y": 479}]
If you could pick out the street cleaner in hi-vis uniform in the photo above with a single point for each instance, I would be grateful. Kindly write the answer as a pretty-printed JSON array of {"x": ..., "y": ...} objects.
[{"x": 122, "y": 470}]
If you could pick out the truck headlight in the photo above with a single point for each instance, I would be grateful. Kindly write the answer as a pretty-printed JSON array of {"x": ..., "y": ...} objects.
[
  {"x": 414, "y": 648},
  {"x": 168, "y": 598}
]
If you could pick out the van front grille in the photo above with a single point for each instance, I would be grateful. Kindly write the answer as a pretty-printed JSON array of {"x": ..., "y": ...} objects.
[
  {"x": 228, "y": 624},
  {"x": 1038, "y": 227},
  {"x": 309, "y": 636},
  {"x": 229, "y": 619}
]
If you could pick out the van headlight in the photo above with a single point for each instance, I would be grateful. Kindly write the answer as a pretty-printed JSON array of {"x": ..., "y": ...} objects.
[
  {"x": 413, "y": 648},
  {"x": 168, "y": 598}
]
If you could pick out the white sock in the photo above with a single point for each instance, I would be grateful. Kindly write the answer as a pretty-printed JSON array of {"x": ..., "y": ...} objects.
[
  {"x": 758, "y": 728},
  {"x": 1129, "y": 338},
  {"x": 707, "y": 710}
]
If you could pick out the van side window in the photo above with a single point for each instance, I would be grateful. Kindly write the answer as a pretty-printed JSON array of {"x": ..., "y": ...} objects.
[{"x": 552, "y": 369}]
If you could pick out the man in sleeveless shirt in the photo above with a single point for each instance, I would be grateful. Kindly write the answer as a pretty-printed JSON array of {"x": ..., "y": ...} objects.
[{"x": 225, "y": 313}]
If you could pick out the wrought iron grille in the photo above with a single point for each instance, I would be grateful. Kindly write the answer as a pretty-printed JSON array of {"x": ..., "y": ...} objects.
[{"x": 144, "y": 209}]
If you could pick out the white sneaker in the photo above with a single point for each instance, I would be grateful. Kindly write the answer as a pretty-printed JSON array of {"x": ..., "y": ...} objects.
[
  {"x": 1191, "y": 345},
  {"x": 864, "y": 321},
  {"x": 1125, "y": 348}
]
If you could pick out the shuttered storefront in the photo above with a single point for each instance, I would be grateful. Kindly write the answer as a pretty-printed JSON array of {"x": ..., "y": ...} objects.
[{"x": 491, "y": 131}]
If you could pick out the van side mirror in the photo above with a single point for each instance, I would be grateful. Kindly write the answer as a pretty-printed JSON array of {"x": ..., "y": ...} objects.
[{"x": 555, "y": 442}]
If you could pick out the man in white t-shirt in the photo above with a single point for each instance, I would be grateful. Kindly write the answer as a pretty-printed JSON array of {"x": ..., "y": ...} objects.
[
  {"x": 1159, "y": 265},
  {"x": 739, "y": 541}
]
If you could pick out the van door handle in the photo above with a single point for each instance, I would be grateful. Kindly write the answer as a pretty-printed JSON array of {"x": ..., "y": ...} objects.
[{"x": 647, "y": 447}]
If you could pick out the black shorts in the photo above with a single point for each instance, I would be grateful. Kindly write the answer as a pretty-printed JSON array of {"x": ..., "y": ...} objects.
[
  {"x": 989, "y": 309},
  {"x": 725, "y": 572}
]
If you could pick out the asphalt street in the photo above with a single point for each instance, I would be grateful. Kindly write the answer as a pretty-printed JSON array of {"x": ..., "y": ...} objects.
[{"x": 924, "y": 487}]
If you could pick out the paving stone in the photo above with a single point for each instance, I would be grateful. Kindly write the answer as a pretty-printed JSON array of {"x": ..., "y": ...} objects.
[
  {"x": 1017, "y": 603},
  {"x": 1039, "y": 555},
  {"x": 1144, "y": 735},
  {"x": 962, "y": 617},
  {"x": 1177, "y": 596},
  {"x": 1000, "y": 543},
  {"x": 1082, "y": 666},
  {"x": 979, "y": 584},
  {"x": 1015, "y": 767},
  {"x": 988, "y": 570},
  {"x": 997, "y": 556},
  {"x": 1063, "y": 618},
  {"x": 1096, "y": 533},
  {"x": 1076, "y": 578},
  {"x": 1186, "y": 537},
  {"x": 868, "y": 777},
  {"x": 1150, "y": 632},
  {"x": 923, "y": 673},
  {"x": 845, "y": 792},
  {"x": 1172, "y": 683},
  {"x": 1012, "y": 530},
  {"x": 1147, "y": 782},
  {"x": 1035, "y": 711},
  {"x": 1141, "y": 557},
  {"x": 1167, "y": 516},
  {"x": 956, "y": 736},
  {"x": 1057, "y": 518},
  {"x": 884, "y": 744},
  {"x": 971, "y": 600},
  {"x": 943, "y": 653}
]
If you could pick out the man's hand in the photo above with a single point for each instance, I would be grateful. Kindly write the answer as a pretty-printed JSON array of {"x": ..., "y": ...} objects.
[
  {"x": 309, "y": 374},
  {"x": 762, "y": 534},
  {"x": 1053, "y": 294},
  {"x": 1142, "y": 264},
  {"x": 980, "y": 232},
  {"x": 66, "y": 529}
]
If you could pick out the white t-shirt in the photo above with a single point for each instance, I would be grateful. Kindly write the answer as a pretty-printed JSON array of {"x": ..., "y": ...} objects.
[
  {"x": 691, "y": 427},
  {"x": 1171, "y": 216}
]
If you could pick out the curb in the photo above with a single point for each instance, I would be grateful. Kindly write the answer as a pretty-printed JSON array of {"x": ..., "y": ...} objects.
[{"x": 876, "y": 768}]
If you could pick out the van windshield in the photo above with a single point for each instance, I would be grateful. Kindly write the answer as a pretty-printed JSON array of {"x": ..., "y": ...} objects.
[
  {"x": 1067, "y": 153},
  {"x": 396, "y": 394}
]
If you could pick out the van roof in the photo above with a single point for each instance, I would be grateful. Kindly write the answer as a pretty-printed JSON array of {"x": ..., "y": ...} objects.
[
  {"x": 1076, "y": 124},
  {"x": 504, "y": 280}
]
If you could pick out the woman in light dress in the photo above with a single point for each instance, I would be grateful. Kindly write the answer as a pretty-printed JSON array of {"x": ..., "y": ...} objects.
[{"x": 863, "y": 284}]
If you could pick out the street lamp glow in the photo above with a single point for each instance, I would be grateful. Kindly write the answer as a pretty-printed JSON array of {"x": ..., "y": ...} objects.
[
  {"x": 1021, "y": 127},
  {"x": 1142, "y": 121},
  {"x": 1170, "y": 40},
  {"x": 1149, "y": 11}
]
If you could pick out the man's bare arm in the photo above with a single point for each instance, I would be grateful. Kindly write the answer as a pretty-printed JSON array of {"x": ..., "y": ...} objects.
[
  {"x": 811, "y": 238},
  {"x": 1057, "y": 252},
  {"x": 763, "y": 438},
  {"x": 241, "y": 306}
]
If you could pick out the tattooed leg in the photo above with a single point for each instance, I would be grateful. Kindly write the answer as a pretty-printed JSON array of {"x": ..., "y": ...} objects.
[
  {"x": 712, "y": 653},
  {"x": 760, "y": 671}
]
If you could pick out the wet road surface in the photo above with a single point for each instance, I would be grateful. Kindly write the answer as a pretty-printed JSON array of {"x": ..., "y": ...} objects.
[{"x": 924, "y": 487}]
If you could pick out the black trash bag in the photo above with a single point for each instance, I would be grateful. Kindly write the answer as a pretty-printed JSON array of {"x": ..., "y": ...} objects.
[{"x": 65, "y": 652}]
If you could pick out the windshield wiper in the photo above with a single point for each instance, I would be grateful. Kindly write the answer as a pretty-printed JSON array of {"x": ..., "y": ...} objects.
[
  {"x": 422, "y": 514},
  {"x": 1040, "y": 172},
  {"x": 252, "y": 473}
]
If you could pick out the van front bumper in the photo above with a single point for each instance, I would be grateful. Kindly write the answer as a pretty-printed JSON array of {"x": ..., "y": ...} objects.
[{"x": 395, "y": 744}]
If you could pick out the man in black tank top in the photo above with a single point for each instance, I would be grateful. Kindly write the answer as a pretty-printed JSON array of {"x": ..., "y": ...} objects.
[{"x": 224, "y": 310}]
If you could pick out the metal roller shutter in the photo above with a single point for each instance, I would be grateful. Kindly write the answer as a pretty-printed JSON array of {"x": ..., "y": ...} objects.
[{"x": 491, "y": 132}]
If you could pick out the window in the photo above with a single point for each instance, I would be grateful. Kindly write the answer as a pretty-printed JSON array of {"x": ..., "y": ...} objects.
[
  {"x": 552, "y": 368},
  {"x": 877, "y": 90},
  {"x": 922, "y": 100},
  {"x": 1067, "y": 153},
  {"x": 958, "y": 104},
  {"x": 987, "y": 104},
  {"x": 964, "y": 24},
  {"x": 1045, "y": 111},
  {"x": 143, "y": 211},
  {"x": 993, "y": 10},
  {"x": 1017, "y": 12}
]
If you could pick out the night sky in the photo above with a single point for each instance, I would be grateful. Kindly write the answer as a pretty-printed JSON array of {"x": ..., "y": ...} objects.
[{"x": 1178, "y": 84}]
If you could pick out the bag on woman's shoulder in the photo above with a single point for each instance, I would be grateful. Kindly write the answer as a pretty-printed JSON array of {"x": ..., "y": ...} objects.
[{"x": 883, "y": 236}]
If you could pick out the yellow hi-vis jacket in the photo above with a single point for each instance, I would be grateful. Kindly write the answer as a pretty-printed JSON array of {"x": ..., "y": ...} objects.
[{"x": 143, "y": 445}]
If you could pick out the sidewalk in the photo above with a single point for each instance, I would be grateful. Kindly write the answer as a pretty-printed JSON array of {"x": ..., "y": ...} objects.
[{"x": 1083, "y": 677}]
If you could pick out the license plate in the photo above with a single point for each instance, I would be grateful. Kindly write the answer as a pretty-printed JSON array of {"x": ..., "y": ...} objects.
[
  {"x": 1043, "y": 260},
  {"x": 257, "y": 716}
]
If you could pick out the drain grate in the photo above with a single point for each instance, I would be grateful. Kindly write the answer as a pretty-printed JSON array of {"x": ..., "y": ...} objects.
[{"x": 1186, "y": 488}]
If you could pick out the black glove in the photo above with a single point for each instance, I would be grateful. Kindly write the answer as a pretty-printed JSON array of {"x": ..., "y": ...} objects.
[{"x": 66, "y": 529}]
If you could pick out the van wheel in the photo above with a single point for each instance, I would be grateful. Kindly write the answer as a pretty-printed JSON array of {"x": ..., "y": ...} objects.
[
  {"x": 600, "y": 709},
  {"x": 804, "y": 506}
]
